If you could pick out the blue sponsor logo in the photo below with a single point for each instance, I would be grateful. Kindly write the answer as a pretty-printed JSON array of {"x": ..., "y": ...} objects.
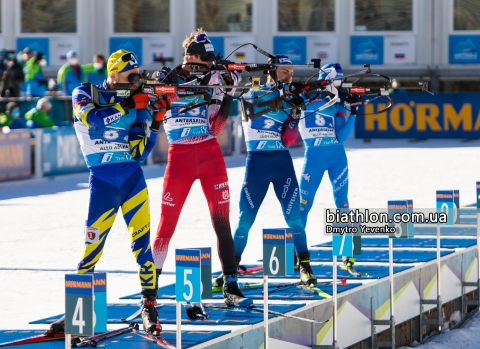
[
  {"x": 463, "y": 49},
  {"x": 366, "y": 50}
]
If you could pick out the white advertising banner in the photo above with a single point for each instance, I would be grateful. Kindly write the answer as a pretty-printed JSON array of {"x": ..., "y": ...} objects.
[
  {"x": 59, "y": 48},
  {"x": 156, "y": 48},
  {"x": 323, "y": 47},
  {"x": 246, "y": 54},
  {"x": 399, "y": 49}
]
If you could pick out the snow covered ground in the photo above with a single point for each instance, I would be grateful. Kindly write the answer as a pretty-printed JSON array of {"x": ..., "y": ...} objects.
[
  {"x": 468, "y": 336},
  {"x": 42, "y": 220}
]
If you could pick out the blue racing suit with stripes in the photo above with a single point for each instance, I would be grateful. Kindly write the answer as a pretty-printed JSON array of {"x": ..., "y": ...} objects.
[
  {"x": 113, "y": 141},
  {"x": 268, "y": 161}
]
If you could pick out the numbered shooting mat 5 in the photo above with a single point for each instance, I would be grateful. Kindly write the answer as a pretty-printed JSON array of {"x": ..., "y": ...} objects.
[
  {"x": 188, "y": 275},
  {"x": 100, "y": 301},
  {"x": 79, "y": 315}
]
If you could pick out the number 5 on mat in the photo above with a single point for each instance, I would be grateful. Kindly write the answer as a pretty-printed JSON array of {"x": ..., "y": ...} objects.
[{"x": 187, "y": 275}]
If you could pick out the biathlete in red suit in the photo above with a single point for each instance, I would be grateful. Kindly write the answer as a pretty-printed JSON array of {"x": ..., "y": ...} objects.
[{"x": 195, "y": 154}]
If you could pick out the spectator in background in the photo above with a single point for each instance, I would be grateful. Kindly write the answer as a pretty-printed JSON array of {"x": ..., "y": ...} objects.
[
  {"x": 34, "y": 79},
  {"x": 96, "y": 72},
  {"x": 12, "y": 117},
  {"x": 70, "y": 74},
  {"x": 38, "y": 117},
  {"x": 25, "y": 56},
  {"x": 12, "y": 76}
]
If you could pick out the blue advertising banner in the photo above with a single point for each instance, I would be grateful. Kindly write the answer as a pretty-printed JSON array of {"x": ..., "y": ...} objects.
[
  {"x": 35, "y": 44},
  {"x": 295, "y": 47},
  {"x": 15, "y": 155},
  {"x": 61, "y": 152},
  {"x": 218, "y": 43},
  {"x": 130, "y": 44},
  {"x": 366, "y": 50},
  {"x": 463, "y": 49},
  {"x": 421, "y": 115}
]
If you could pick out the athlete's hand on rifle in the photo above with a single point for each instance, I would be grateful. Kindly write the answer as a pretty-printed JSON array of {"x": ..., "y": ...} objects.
[
  {"x": 160, "y": 108},
  {"x": 160, "y": 75},
  {"x": 232, "y": 78},
  {"x": 296, "y": 102},
  {"x": 138, "y": 101},
  {"x": 351, "y": 99},
  {"x": 296, "y": 87}
]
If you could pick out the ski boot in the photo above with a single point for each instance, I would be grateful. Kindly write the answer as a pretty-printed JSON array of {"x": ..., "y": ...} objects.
[
  {"x": 233, "y": 296},
  {"x": 305, "y": 269},
  {"x": 57, "y": 327},
  {"x": 348, "y": 263},
  {"x": 149, "y": 312},
  {"x": 218, "y": 284}
]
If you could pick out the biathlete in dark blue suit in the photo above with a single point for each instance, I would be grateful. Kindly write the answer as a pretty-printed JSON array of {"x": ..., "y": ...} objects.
[
  {"x": 323, "y": 132},
  {"x": 268, "y": 161}
]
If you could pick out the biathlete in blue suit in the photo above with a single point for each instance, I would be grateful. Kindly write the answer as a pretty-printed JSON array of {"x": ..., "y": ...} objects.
[
  {"x": 268, "y": 161},
  {"x": 323, "y": 132}
]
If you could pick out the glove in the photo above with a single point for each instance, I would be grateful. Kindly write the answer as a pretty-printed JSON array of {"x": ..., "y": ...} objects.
[
  {"x": 159, "y": 109},
  {"x": 295, "y": 88},
  {"x": 172, "y": 98},
  {"x": 296, "y": 100},
  {"x": 138, "y": 101},
  {"x": 231, "y": 77},
  {"x": 159, "y": 75}
]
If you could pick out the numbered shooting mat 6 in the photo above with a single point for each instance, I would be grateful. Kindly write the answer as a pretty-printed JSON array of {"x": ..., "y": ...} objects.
[
  {"x": 275, "y": 250},
  {"x": 79, "y": 315},
  {"x": 188, "y": 275},
  {"x": 445, "y": 204},
  {"x": 398, "y": 218}
]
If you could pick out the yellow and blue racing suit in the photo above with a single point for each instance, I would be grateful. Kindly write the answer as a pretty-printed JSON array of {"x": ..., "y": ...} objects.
[{"x": 113, "y": 142}]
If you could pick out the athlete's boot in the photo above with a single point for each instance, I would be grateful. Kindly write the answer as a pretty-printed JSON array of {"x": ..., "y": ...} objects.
[
  {"x": 57, "y": 327},
  {"x": 218, "y": 284},
  {"x": 149, "y": 312},
  {"x": 348, "y": 261},
  {"x": 233, "y": 296},
  {"x": 348, "y": 265},
  {"x": 305, "y": 269}
]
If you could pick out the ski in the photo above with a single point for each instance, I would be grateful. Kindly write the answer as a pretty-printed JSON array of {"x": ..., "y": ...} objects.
[
  {"x": 92, "y": 341},
  {"x": 155, "y": 338},
  {"x": 311, "y": 288},
  {"x": 241, "y": 272},
  {"x": 251, "y": 308},
  {"x": 351, "y": 270},
  {"x": 34, "y": 339}
]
